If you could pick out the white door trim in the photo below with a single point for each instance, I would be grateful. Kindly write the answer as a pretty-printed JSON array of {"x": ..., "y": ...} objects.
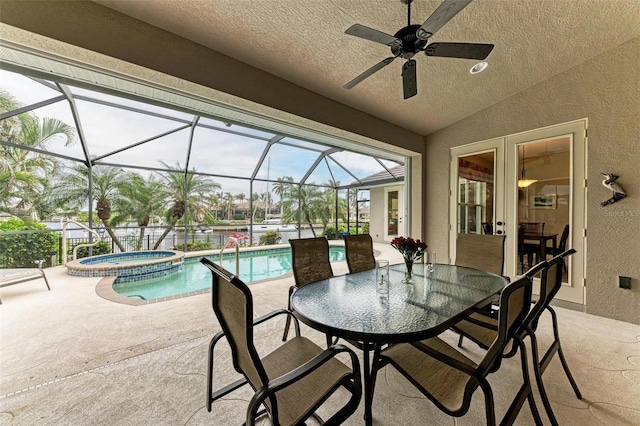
[{"x": 576, "y": 131}]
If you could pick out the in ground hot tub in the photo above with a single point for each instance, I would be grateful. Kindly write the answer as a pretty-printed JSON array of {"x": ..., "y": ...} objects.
[{"x": 129, "y": 266}]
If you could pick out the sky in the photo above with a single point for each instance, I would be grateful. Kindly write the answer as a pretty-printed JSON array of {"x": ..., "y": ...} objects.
[{"x": 107, "y": 129}]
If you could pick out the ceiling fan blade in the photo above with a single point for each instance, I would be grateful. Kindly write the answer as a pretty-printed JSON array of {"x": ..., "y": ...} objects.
[
  {"x": 369, "y": 72},
  {"x": 447, "y": 10},
  {"x": 459, "y": 50},
  {"x": 371, "y": 34}
]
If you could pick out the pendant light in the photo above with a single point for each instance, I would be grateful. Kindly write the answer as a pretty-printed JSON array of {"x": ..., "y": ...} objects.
[{"x": 523, "y": 182}]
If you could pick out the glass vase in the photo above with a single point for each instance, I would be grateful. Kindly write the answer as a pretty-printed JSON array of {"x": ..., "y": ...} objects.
[{"x": 408, "y": 273}]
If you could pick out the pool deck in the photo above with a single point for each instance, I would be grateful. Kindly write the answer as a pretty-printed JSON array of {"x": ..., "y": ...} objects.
[{"x": 68, "y": 356}]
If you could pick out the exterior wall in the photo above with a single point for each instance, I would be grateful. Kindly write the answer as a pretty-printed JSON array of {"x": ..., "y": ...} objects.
[
  {"x": 605, "y": 90},
  {"x": 376, "y": 224}
]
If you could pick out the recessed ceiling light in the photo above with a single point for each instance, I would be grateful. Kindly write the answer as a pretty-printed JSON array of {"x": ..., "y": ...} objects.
[{"x": 479, "y": 67}]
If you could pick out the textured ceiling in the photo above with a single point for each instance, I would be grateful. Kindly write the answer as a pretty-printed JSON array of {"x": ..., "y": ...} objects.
[{"x": 303, "y": 41}]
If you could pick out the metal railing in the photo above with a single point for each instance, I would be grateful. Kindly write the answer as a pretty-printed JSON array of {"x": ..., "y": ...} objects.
[
  {"x": 75, "y": 249},
  {"x": 237, "y": 245}
]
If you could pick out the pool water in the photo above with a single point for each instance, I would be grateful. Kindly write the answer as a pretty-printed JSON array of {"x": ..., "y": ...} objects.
[{"x": 254, "y": 266}]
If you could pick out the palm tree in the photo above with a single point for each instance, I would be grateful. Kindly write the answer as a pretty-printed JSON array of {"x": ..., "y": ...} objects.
[
  {"x": 283, "y": 188},
  {"x": 307, "y": 200},
  {"x": 139, "y": 199},
  {"x": 187, "y": 191},
  {"x": 240, "y": 197},
  {"x": 213, "y": 203},
  {"x": 72, "y": 190},
  {"x": 255, "y": 198},
  {"x": 25, "y": 175},
  {"x": 326, "y": 206},
  {"x": 228, "y": 203}
]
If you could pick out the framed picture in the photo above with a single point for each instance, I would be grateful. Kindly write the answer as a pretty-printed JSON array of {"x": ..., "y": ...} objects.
[{"x": 544, "y": 201}]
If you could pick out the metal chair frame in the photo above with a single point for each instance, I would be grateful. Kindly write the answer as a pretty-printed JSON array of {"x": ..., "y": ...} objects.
[
  {"x": 270, "y": 386},
  {"x": 321, "y": 247},
  {"x": 489, "y": 364},
  {"x": 548, "y": 290}
]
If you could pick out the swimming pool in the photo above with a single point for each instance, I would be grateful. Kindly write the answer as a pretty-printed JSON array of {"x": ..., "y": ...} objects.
[{"x": 254, "y": 266}]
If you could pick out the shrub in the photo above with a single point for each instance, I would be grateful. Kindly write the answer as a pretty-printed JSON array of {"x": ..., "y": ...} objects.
[
  {"x": 102, "y": 247},
  {"x": 193, "y": 246},
  {"x": 269, "y": 238},
  {"x": 22, "y": 250},
  {"x": 331, "y": 234}
]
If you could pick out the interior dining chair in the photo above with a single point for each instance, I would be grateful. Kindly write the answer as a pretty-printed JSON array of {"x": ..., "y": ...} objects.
[
  {"x": 487, "y": 228},
  {"x": 291, "y": 382},
  {"x": 529, "y": 250},
  {"x": 310, "y": 262},
  {"x": 359, "y": 252},
  {"x": 562, "y": 244},
  {"x": 482, "y": 329},
  {"x": 449, "y": 378},
  {"x": 533, "y": 227}
]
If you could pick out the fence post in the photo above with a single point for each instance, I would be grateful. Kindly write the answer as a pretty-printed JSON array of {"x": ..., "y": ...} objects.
[{"x": 60, "y": 250}]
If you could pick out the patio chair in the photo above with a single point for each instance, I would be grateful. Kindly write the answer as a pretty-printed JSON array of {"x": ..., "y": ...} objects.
[
  {"x": 449, "y": 378},
  {"x": 359, "y": 252},
  {"x": 482, "y": 329},
  {"x": 484, "y": 252},
  {"x": 292, "y": 381},
  {"x": 310, "y": 260}
]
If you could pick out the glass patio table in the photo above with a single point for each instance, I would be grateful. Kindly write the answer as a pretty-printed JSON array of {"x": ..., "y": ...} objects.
[{"x": 350, "y": 307}]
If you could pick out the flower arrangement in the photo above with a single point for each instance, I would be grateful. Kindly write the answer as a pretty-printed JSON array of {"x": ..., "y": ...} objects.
[{"x": 411, "y": 250}]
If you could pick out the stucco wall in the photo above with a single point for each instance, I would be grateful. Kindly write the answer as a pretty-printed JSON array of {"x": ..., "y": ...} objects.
[
  {"x": 376, "y": 224},
  {"x": 605, "y": 90}
]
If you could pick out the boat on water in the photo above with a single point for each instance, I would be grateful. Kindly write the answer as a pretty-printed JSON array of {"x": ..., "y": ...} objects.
[{"x": 273, "y": 225}]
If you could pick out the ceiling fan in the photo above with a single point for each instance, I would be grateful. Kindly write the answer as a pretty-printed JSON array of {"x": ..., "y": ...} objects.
[{"x": 413, "y": 39}]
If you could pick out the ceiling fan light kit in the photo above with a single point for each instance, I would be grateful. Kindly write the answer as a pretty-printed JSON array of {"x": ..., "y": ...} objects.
[{"x": 413, "y": 39}]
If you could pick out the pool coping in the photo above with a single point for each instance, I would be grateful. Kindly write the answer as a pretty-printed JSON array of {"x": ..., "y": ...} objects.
[
  {"x": 93, "y": 270},
  {"x": 104, "y": 288}
]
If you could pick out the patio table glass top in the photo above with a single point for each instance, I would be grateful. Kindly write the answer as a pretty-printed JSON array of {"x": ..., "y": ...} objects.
[{"x": 349, "y": 306}]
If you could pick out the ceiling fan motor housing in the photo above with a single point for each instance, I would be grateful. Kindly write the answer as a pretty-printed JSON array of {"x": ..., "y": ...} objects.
[{"x": 410, "y": 43}]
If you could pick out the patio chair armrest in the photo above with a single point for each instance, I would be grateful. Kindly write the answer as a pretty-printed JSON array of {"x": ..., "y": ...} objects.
[
  {"x": 481, "y": 323},
  {"x": 273, "y": 314},
  {"x": 445, "y": 359},
  {"x": 305, "y": 369},
  {"x": 296, "y": 324}
]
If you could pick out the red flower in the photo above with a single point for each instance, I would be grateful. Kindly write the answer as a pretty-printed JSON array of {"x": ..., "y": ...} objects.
[{"x": 409, "y": 248}]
